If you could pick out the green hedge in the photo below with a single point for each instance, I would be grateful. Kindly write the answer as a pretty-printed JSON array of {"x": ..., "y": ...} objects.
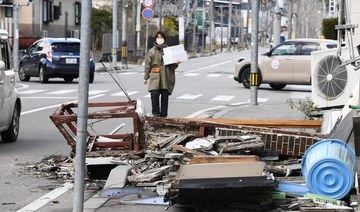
[{"x": 328, "y": 28}]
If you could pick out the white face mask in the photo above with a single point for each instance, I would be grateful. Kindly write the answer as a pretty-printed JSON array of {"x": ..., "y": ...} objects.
[{"x": 160, "y": 41}]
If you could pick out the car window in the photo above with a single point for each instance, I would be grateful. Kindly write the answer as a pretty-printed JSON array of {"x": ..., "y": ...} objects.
[
  {"x": 307, "y": 48},
  {"x": 4, "y": 48},
  {"x": 66, "y": 47},
  {"x": 331, "y": 46},
  {"x": 285, "y": 49},
  {"x": 32, "y": 48}
]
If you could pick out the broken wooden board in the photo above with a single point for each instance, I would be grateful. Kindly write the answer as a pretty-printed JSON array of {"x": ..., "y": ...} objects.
[
  {"x": 224, "y": 159},
  {"x": 262, "y": 123},
  {"x": 149, "y": 175},
  {"x": 220, "y": 170},
  {"x": 234, "y": 146}
]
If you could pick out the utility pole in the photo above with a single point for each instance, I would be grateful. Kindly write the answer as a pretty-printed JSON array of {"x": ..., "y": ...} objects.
[
  {"x": 16, "y": 8},
  {"x": 66, "y": 25},
  {"x": 221, "y": 33},
  {"x": 115, "y": 33},
  {"x": 241, "y": 23},
  {"x": 203, "y": 26},
  {"x": 212, "y": 27},
  {"x": 82, "y": 118},
  {"x": 254, "y": 76},
  {"x": 247, "y": 23},
  {"x": 277, "y": 24},
  {"x": 229, "y": 27},
  {"x": 124, "y": 49}
]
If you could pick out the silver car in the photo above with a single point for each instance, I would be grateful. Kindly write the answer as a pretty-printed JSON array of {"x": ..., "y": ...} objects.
[
  {"x": 10, "y": 103},
  {"x": 287, "y": 63}
]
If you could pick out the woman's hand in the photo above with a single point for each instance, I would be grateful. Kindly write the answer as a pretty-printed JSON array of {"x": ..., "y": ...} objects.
[
  {"x": 178, "y": 62},
  {"x": 145, "y": 82}
]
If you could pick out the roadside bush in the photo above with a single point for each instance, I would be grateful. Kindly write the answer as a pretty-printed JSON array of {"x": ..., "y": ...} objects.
[{"x": 328, "y": 28}]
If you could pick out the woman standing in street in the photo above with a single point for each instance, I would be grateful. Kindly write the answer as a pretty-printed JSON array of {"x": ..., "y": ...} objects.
[{"x": 160, "y": 78}]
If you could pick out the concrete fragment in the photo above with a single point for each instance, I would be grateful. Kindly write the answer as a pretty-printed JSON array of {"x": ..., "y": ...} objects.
[
  {"x": 118, "y": 177},
  {"x": 173, "y": 155},
  {"x": 199, "y": 143}
]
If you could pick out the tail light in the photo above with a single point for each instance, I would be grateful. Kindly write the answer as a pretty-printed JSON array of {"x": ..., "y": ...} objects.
[
  {"x": 91, "y": 56},
  {"x": 49, "y": 56}
]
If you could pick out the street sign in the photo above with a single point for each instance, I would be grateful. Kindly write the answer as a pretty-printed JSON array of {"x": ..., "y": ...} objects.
[
  {"x": 148, "y": 13},
  {"x": 148, "y": 3}
]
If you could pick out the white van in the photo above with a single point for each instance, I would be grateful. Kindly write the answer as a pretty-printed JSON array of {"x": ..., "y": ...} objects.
[{"x": 10, "y": 103}]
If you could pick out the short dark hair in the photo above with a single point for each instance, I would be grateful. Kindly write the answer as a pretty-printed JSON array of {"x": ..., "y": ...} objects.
[{"x": 162, "y": 35}]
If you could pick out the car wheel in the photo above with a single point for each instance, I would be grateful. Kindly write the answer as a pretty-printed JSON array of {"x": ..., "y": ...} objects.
[
  {"x": 245, "y": 77},
  {"x": 277, "y": 86},
  {"x": 11, "y": 134},
  {"x": 42, "y": 75},
  {"x": 91, "y": 79},
  {"x": 68, "y": 79},
  {"x": 22, "y": 76}
]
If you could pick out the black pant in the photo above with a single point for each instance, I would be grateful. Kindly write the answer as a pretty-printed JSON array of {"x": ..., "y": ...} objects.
[{"x": 158, "y": 110}]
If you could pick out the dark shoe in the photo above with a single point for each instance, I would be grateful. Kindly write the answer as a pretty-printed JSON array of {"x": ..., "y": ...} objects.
[{"x": 156, "y": 115}]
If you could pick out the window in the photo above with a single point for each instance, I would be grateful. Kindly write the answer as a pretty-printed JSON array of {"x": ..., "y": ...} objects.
[
  {"x": 307, "y": 48},
  {"x": 48, "y": 11},
  {"x": 285, "y": 49},
  {"x": 66, "y": 47},
  {"x": 77, "y": 12}
]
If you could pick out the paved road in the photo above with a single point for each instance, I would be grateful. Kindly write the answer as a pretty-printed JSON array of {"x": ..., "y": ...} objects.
[{"x": 201, "y": 83}]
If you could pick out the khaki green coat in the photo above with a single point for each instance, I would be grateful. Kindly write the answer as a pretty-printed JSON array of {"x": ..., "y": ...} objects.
[{"x": 163, "y": 80}]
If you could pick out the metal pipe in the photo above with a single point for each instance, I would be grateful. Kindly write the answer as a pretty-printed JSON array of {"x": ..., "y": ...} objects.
[
  {"x": 229, "y": 27},
  {"x": 254, "y": 52},
  {"x": 16, "y": 8},
  {"x": 138, "y": 24},
  {"x": 124, "y": 33},
  {"x": 82, "y": 119},
  {"x": 221, "y": 33},
  {"x": 212, "y": 26},
  {"x": 115, "y": 38}
]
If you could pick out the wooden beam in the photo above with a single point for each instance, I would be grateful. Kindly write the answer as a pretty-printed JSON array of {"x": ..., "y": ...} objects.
[
  {"x": 224, "y": 159},
  {"x": 261, "y": 123}
]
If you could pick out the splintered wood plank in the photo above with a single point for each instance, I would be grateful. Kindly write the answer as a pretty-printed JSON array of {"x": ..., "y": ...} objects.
[
  {"x": 186, "y": 150},
  {"x": 262, "y": 123},
  {"x": 224, "y": 159}
]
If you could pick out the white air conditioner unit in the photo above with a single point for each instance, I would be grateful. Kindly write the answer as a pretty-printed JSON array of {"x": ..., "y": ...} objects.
[{"x": 331, "y": 85}]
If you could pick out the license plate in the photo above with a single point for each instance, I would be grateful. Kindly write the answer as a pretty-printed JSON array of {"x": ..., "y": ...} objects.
[{"x": 71, "y": 60}]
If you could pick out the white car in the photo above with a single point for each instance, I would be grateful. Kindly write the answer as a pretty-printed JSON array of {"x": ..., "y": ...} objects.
[{"x": 10, "y": 103}]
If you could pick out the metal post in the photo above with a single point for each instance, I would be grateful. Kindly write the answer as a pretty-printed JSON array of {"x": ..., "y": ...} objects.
[
  {"x": 229, "y": 27},
  {"x": 203, "y": 27},
  {"x": 147, "y": 37},
  {"x": 212, "y": 26},
  {"x": 247, "y": 24},
  {"x": 16, "y": 35},
  {"x": 194, "y": 26},
  {"x": 221, "y": 33},
  {"x": 138, "y": 24},
  {"x": 160, "y": 15},
  {"x": 83, "y": 94},
  {"x": 277, "y": 24},
  {"x": 66, "y": 24},
  {"x": 115, "y": 37},
  {"x": 254, "y": 76},
  {"x": 124, "y": 49},
  {"x": 291, "y": 19}
]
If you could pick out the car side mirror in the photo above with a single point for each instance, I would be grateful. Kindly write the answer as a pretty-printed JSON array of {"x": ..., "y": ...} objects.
[{"x": 268, "y": 53}]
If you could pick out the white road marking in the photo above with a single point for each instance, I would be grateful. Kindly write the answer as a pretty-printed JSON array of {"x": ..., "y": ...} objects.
[
  {"x": 54, "y": 106},
  {"x": 22, "y": 86},
  {"x": 147, "y": 96},
  {"x": 95, "y": 92},
  {"x": 299, "y": 95},
  {"x": 122, "y": 93},
  {"x": 49, "y": 97},
  {"x": 31, "y": 91},
  {"x": 191, "y": 74},
  {"x": 127, "y": 73},
  {"x": 231, "y": 77},
  {"x": 189, "y": 96},
  {"x": 223, "y": 98},
  {"x": 37, "y": 204},
  {"x": 61, "y": 92},
  {"x": 213, "y": 75},
  {"x": 207, "y": 67},
  {"x": 196, "y": 114},
  {"x": 262, "y": 100}
]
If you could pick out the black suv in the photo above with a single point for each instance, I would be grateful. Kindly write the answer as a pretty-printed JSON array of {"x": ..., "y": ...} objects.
[{"x": 53, "y": 58}]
